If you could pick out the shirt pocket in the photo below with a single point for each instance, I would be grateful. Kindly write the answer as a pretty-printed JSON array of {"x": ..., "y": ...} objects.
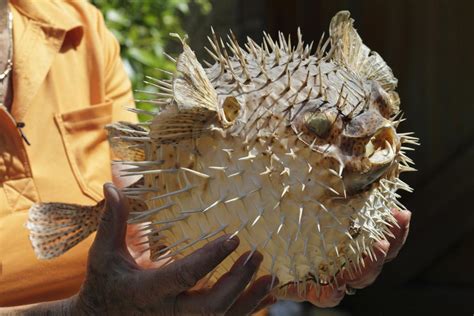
[{"x": 86, "y": 146}]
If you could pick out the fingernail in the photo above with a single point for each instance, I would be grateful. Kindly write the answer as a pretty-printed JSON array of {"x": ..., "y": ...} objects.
[
  {"x": 108, "y": 194},
  {"x": 231, "y": 243},
  {"x": 108, "y": 189},
  {"x": 256, "y": 259}
]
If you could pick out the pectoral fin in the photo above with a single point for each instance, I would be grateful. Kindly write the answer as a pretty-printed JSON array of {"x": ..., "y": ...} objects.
[
  {"x": 124, "y": 141},
  {"x": 194, "y": 105}
]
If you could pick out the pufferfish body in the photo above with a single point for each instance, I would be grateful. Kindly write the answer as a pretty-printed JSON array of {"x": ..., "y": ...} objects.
[{"x": 295, "y": 152}]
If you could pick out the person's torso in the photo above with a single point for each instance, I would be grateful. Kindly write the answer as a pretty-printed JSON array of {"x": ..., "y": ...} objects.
[{"x": 58, "y": 93}]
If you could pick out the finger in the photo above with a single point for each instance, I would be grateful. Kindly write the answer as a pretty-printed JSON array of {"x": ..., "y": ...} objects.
[
  {"x": 366, "y": 273},
  {"x": 113, "y": 226},
  {"x": 384, "y": 251},
  {"x": 251, "y": 300},
  {"x": 183, "y": 274},
  {"x": 399, "y": 233},
  {"x": 228, "y": 288}
]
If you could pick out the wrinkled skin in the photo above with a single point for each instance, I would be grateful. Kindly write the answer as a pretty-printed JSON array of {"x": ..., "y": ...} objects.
[{"x": 115, "y": 284}]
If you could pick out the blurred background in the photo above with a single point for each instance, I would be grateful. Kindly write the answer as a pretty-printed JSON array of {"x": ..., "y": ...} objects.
[{"x": 430, "y": 46}]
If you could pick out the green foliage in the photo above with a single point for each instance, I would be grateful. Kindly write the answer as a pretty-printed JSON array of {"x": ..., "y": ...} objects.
[{"x": 142, "y": 27}]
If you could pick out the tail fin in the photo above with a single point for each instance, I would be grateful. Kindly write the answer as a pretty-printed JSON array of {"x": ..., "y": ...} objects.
[{"x": 56, "y": 227}]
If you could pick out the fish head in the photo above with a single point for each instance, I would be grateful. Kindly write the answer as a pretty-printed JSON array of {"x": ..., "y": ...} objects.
[{"x": 359, "y": 135}]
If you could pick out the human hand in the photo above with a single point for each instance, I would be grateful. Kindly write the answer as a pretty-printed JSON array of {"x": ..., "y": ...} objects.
[
  {"x": 385, "y": 251},
  {"x": 138, "y": 246},
  {"x": 116, "y": 284}
]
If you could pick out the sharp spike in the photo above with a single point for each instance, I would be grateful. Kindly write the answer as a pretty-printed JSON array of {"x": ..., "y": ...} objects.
[
  {"x": 300, "y": 217},
  {"x": 282, "y": 222},
  {"x": 320, "y": 91},
  {"x": 172, "y": 220},
  {"x": 197, "y": 173},
  {"x": 183, "y": 190},
  {"x": 300, "y": 44},
  {"x": 253, "y": 249},
  {"x": 286, "y": 189},
  {"x": 169, "y": 73},
  {"x": 169, "y": 57},
  {"x": 161, "y": 87},
  {"x": 214, "y": 56}
]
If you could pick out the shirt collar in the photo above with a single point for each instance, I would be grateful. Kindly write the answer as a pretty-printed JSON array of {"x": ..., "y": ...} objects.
[{"x": 49, "y": 26}]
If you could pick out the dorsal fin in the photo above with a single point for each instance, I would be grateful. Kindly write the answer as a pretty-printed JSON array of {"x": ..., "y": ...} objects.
[
  {"x": 350, "y": 51},
  {"x": 194, "y": 103}
]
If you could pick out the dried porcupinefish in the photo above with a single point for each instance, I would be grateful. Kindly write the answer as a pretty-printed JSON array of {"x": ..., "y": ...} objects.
[{"x": 295, "y": 152}]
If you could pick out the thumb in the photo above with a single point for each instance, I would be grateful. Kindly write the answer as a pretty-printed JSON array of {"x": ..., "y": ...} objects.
[{"x": 113, "y": 223}]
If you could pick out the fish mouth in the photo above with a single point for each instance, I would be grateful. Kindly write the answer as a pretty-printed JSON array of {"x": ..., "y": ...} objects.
[
  {"x": 380, "y": 155},
  {"x": 381, "y": 149}
]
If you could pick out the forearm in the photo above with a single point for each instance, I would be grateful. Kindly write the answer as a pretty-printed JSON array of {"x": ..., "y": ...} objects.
[{"x": 60, "y": 307}]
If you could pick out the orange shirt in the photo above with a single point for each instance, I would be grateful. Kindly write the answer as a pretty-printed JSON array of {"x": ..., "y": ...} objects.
[{"x": 68, "y": 82}]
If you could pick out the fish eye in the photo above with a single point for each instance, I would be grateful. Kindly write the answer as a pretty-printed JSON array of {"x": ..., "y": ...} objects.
[
  {"x": 231, "y": 109},
  {"x": 319, "y": 123}
]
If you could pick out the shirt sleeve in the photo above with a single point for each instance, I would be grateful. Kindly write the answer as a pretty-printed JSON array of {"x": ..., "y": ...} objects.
[{"x": 118, "y": 87}]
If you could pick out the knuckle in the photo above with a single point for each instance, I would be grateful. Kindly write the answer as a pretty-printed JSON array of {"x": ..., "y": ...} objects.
[{"x": 185, "y": 277}]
